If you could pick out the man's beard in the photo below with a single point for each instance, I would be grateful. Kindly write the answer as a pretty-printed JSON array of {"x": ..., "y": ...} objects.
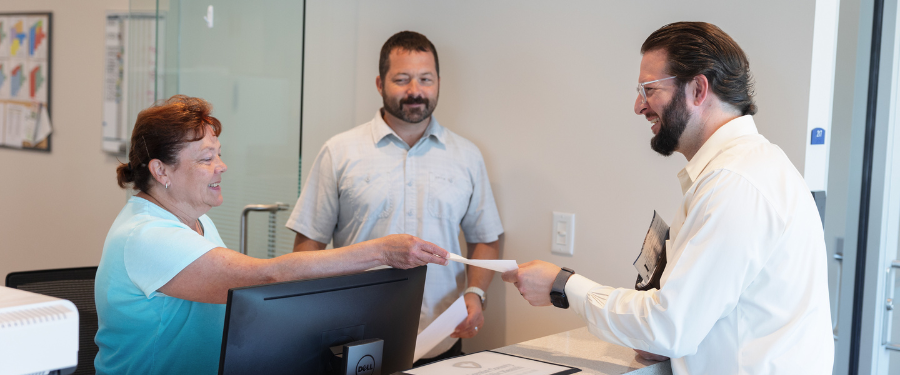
[
  {"x": 412, "y": 116},
  {"x": 672, "y": 123}
]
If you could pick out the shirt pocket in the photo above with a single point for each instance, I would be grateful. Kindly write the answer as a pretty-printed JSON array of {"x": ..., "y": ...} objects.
[
  {"x": 369, "y": 196},
  {"x": 448, "y": 195}
]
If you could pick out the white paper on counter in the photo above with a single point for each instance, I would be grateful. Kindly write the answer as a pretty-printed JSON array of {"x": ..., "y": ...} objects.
[
  {"x": 489, "y": 363},
  {"x": 440, "y": 328},
  {"x": 500, "y": 265}
]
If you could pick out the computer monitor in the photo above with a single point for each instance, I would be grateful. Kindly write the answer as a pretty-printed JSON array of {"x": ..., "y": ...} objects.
[{"x": 289, "y": 327}]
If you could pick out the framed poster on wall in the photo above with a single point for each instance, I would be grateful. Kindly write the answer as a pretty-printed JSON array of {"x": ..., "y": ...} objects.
[
  {"x": 130, "y": 84},
  {"x": 25, "y": 81}
]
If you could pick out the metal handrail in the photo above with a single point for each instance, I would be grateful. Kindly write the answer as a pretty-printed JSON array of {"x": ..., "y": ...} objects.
[{"x": 270, "y": 208}]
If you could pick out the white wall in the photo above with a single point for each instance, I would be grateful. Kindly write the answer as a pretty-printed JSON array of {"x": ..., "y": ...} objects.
[
  {"x": 546, "y": 90},
  {"x": 55, "y": 208}
]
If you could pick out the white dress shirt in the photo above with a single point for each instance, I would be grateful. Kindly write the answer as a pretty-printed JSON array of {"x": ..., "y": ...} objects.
[
  {"x": 745, "y": 289},
  {"x": 367, "y": 183}
]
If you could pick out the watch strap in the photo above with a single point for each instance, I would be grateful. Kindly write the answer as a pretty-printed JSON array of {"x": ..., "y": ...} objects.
[
  {"x": 478, "y": 292},
  {"x": 558, "y": 291}
]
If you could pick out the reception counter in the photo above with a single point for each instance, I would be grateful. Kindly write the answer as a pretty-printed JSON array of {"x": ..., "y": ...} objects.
[{"x": 578, "y": 348}]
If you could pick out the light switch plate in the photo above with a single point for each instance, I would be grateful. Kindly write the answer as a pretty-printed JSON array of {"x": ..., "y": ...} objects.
[{"x": 563, "y": 237}]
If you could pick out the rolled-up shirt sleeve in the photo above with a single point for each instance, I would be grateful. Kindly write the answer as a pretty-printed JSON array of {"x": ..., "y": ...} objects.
[
  {"x": 481, "y": 223},
  {"x": 316, "y": 212}
]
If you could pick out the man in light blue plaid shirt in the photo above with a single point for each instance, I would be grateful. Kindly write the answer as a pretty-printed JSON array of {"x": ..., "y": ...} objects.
[{"x": 403, "y": 172}]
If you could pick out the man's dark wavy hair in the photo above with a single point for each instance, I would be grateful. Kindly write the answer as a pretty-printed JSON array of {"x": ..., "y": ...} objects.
[{"x": 694, "y": 48}]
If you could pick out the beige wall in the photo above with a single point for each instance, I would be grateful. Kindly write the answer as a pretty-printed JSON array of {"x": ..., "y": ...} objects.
[
  {"x": 55, "y": 208},
  {"x": 546, "y": 90}
]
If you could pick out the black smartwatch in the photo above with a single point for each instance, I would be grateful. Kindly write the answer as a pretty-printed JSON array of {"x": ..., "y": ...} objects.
[{"x": 558, "y": 292}]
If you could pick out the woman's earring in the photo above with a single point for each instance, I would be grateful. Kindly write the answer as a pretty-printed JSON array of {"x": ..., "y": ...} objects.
[{"x": 167, "y": 185}]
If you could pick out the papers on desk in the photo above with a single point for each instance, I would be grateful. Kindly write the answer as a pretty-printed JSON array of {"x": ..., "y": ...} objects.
[
  {"x": 500, "y": 265},
  {"x": 491, "y": 363},
  {"x": 440, "y": 328}
]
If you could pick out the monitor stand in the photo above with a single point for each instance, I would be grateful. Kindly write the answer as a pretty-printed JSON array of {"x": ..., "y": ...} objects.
[{"x": 358, "y": 358}]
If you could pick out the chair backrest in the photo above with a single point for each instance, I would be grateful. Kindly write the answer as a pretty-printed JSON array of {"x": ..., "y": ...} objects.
[{"x": 77, "y": 286}]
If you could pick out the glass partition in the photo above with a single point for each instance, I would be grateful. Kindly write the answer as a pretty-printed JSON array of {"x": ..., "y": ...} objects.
[{"x": 245, "y": 58}]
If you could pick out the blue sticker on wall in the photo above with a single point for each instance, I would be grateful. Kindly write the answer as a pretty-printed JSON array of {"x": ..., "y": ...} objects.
[{"x": 817, "y": 137}]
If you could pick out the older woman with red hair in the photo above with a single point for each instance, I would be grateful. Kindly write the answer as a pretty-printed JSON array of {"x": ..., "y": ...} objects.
[{"x": 165, "y": 273}]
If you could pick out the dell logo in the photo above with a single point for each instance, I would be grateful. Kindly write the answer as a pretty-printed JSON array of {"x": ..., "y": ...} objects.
[{"x": 365, "y": 366}]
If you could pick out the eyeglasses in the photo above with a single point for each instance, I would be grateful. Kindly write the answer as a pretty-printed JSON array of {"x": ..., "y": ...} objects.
[{"x": 640, "y": 88}]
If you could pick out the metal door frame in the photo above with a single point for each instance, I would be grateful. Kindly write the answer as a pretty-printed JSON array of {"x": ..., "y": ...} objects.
[{"x": 874, "y": 194}]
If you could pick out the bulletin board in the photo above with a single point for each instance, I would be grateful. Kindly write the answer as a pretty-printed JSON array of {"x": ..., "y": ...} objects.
[{"x": 25, "y": 81}]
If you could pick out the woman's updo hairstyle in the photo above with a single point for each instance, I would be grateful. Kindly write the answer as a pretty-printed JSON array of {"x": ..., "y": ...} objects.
[{"x": 160, "y": 132}]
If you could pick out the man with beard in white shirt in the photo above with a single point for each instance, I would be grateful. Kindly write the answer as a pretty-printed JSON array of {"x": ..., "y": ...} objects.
[{"x": 745, "y": 288}]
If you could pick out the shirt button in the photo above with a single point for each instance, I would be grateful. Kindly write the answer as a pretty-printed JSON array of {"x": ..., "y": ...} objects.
[
  {"x": 410, "y": 213},
  {"x": 409, "y": 183}
]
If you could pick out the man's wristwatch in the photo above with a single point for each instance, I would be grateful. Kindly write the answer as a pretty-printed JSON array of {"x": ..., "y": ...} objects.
[
  {"x": 478, "y": 292},
  {"x": 558, "y": 292}
]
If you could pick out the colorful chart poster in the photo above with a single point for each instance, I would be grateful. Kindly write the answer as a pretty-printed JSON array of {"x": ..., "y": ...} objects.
[
  {"x": 4, "y": 79},
  {"x": 18, "y": 37},
  {"x": 25, "y": 81},
  {"x": 38, "y": 29},
  {"x": 17, "y": 79},
  {"x": 36, "y": 81},
  {"x": 5, "y": 36}
]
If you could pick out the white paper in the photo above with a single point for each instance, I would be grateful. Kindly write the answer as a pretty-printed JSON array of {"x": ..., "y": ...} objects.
[
  {"x": 500, "y": 265},
  {"x": 16, "y": 118},
  {"x": 440, "y": 328},
  {"x": 488, "y": 363},
  {"x": 39, "y": 125},
  {"x": 23, "y": 123}
]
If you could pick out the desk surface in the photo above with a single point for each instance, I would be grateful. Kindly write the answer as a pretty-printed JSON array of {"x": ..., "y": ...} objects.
[{"x": 579, "y": 348}]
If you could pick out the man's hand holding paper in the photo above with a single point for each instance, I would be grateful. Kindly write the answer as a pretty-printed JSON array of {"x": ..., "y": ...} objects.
[
  {"x": 472, "y": 319},
  {"x": 440, "y": 328},
  {"x": 534, "y": 281},
  {"x": 475, "y": 318}
]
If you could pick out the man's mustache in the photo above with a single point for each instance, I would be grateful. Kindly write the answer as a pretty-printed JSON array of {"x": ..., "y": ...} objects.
[{"x": 414, "y": 100}]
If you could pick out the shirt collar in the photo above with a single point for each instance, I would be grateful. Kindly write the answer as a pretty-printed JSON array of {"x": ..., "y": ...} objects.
[
  {"x": 380, "y": 130},
  {"x": 733, "y": 129}
]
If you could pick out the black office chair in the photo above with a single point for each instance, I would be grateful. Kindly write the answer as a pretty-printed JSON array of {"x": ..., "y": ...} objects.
[{"x": 77, "y": 286}]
